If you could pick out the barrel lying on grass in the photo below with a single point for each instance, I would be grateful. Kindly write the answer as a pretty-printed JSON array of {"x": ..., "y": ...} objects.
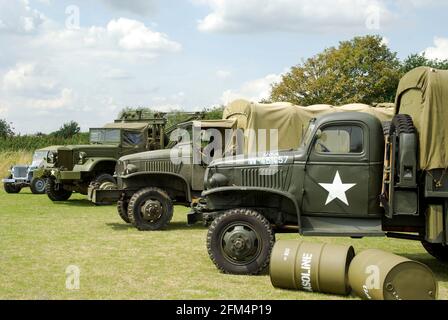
[
  {"x": 379, "y": 275},
  {"x": 311, "y": 267}
]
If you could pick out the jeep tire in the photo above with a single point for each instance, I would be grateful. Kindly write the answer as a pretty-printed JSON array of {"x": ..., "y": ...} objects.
[
  {"x": 122, "y": 208},
  {"x": 437, "y": 250},
  {"x": 37, "y": 186}
]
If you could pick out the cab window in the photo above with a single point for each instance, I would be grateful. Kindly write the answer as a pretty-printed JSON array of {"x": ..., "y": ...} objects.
[{"x": 340, "y": 140}]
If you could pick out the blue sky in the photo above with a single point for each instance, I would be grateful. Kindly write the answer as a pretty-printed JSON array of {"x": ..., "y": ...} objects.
[{"x": 180, "y": 54}]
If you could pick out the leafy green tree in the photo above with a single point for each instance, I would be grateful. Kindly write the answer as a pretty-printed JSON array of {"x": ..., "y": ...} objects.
[
  {"x": 420, "y": 60},
  {"x": 68, "y": 130},
  {"x": 361, "y": 70},
  {"x": 6, "y": 129},
  {"x": 213, "y": 113}
]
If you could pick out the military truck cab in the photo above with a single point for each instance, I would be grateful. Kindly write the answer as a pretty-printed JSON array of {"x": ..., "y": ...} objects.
[
  {"x": 350, "y": 177},
  {"x": 150, "y": 183},
  {"x": 73, "y": 168}
]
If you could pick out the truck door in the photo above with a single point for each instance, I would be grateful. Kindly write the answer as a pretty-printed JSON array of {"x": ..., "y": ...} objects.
[{"x": 337, "y": 172}]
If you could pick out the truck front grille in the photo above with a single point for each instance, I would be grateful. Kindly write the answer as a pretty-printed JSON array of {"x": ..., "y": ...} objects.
[
  {"x": 265, "y": 178},
  {"x": 65, "y": 159},
  {"x": 160, "y": 166},
  {"x": 20, "y": 172}
]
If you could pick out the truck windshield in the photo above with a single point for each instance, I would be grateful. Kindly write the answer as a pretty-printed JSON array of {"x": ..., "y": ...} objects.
[
  {"x": 308, "y": 134},
  {"x": 103, "y": 136}
]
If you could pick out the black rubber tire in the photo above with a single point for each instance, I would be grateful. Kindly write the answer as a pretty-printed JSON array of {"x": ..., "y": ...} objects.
[
  {"x": 386, "y": 128},
  {"x": 38, "y": 185},
  {"x": 437, "y": 250},
  {"x": 11, "y": 188},
  {"x": 402, "y": 123},
  {"x": 122, "y": 208},
  {"x": 54, "y": 194},
  {"x": 139, "y": 198},
  {"x": 104, "y": 177},
  {"x": 258, "y": 223}
]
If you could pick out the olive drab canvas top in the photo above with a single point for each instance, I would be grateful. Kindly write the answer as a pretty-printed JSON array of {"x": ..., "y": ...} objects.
[
  {"x": 423, "y": 94},
  {"x": 290, "y": 121}
]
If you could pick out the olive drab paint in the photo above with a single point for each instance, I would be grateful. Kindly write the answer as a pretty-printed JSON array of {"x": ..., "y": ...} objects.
[
  {"x": 311, "y": 267},
  {"x": 379, "y": 275}
]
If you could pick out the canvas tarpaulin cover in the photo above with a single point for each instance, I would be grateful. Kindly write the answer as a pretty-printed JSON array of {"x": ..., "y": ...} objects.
[
  {"x": 423, "y": 94},
  {"x": 290, "y": 121}
]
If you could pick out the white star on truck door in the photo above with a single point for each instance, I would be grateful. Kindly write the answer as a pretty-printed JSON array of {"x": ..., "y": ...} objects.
[{"x": 337, "y": 189}]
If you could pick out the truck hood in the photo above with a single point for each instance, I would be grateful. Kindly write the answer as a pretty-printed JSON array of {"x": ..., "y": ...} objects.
[
  {"x": 148, "y": 155},
  {"x": 85, "y": 147},
  {"x": 282, "y": 157}
]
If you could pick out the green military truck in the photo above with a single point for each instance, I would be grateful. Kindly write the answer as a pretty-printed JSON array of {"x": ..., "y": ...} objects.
[
  {"x": 150, "y": 183},
  {"x": 346, "y": 179},
  {"x": 73, "y": 168}
]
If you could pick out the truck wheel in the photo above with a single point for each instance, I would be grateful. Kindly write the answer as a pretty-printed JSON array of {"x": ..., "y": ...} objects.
[
  {"x": 105, "y": 181},
  {"x": 56, "y": 192},
  {"x": 37, "y": 186},
  {"x": 150, "y": 209},
  {"x": 402, "y": 123},
  {"x": 122, "y": 208},
  {"x": 437, "y": 250},
  {"x": 11, "y": 188},
  {"x": 240, "y": 242}
]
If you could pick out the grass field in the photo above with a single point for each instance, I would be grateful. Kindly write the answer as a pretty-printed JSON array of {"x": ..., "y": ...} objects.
[{"x": 39, "y": 239}]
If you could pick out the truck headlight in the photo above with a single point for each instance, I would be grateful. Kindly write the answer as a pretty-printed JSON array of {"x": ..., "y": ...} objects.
[
  {"x": 82, "y": 157},
  {"x": 52, "y": 157},
  {"x": 131, "y": 168},
  {"x": 218, "y": 180}
]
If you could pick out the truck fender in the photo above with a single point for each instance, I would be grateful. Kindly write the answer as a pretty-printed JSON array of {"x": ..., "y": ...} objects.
[
  {"x": 90, "y": 165},
  {"x": 239, "y": 190},
  {"x": 186, "y": 185}
]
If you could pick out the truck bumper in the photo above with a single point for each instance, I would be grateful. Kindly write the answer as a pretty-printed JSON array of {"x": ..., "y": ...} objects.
[
  {"x": 98, "y": 196},
  {"x": 66, "y": 175}
]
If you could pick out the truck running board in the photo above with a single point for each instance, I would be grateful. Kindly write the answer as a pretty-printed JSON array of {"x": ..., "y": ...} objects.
[{"x": 341, "y": 227}]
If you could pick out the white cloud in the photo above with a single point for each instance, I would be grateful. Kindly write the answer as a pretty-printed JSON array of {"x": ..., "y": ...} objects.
[
  {"x": 27, "y": 78},
  {"x": 134, "y": 35},
  {"x": 223, "y": 74},
  {"x": 254, "y": 90},
  {"x": 439, "y": 50},
  {"x": 18, "y": 17},
  {"x": 65, "y": 99},
  {"x": 290, "y": 15},
  {"x": 120, "y": 39}
]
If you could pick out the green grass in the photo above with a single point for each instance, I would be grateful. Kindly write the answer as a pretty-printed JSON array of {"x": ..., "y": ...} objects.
[{"x": 39, "y": 239}]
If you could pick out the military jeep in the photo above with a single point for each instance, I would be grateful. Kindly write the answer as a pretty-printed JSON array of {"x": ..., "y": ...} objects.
[
  {"x": 21, "y": 176},
  {"x": 73, "y": 168}
]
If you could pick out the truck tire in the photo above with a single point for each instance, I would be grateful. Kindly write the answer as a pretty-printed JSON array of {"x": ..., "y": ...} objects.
[
  {"x": 37, "y": 186},
  {"x": 437, "y": 250},
  {"x": 56, "y": 193},
  {"x": 402, "y": 123},
  {"x": 386, "y": 128},
  {"x": 11, "y": 188},
  {"x": 150, "y": 209},
  {"x": 240, "y": 242},
  {"x": 122, "y": 208},
  {"x": 104, "y": 178}
]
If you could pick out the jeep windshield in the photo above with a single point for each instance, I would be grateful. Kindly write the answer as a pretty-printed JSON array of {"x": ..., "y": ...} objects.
[
  {"x": 40, "y": 155},
  {"x": 105, "y": 136}
]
